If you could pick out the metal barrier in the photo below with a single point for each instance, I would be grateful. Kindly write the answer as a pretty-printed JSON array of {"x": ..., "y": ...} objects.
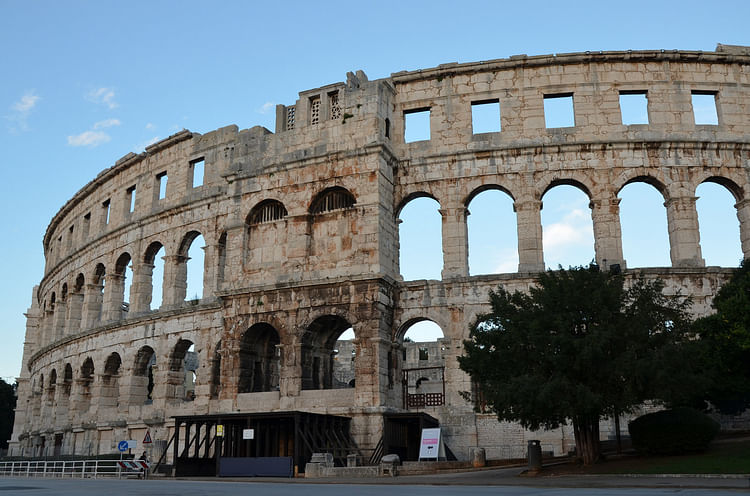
[{"x": 76, "y": 468}]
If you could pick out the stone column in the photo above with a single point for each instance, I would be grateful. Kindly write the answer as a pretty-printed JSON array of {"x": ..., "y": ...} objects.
[
  {"x": 743, "y": 214},
  {"x": 48, "y": 326},
  {"x": 175, "y": 280},
  {"x": 113, "y": 297},
  {"x": 290, "y": 373},
  {"x": 92, "y": 305},
  {"x": 530, "y": 248},
  {"x": 605, "y": 214},
  {"x": 58, "y": 326},
  {"x": 141, "y": 289},
  {"x": 455, "y": 242},
  {"x": 684, "y": 237},
  {"x": 234, "y": 263},
  {"x": 210, "y": 270},
  {"x": 75, "y": 306}
]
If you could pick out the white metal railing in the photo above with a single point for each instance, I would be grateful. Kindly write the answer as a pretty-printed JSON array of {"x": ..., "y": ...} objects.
[{"x": 71, "y": 468}]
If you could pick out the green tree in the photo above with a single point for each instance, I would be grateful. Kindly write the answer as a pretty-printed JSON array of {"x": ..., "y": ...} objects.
[
  {"x": 7, "y": 412},
  {"x": 725, "y": 344},
  {"x": 577, "y": 348}
]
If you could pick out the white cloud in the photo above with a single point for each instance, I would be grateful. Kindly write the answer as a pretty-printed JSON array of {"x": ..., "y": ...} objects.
[
  {"x": 143, "y": 145},
  {"x": 21, "y": 110},
  {"x": 103, "y": 96},
  {"x": 266, "y": 107},
  {"x": 89, "y": 138},
  {"x": 150, "y": 126},
  {"x": 107, "y": 123}
]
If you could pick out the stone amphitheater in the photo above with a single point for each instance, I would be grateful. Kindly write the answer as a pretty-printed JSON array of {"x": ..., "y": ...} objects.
[{"x": 301, "y": 232}]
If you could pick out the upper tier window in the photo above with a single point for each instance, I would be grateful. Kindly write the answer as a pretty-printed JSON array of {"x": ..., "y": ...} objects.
[{"x": 332, "y": 199}]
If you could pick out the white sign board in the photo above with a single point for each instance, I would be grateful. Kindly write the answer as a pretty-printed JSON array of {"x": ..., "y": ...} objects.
[
  {"x": 248, "y": 433},
  {"x": 429, "y": 446}
]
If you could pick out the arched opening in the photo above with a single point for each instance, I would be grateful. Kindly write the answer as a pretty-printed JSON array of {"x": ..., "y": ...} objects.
[
  {"x": 344, "y": 355},
  {"x": 568, "y": 231},
  {"x": 643, "y": 223},
  {"x": 492, "y": 233},
  {"x": 143, "y": 376},
  {"x": 183, "y": 367},
  {"x": 67, "y": 380},
  {"x": 110, "y": 392},
  {"x": 76, "y": 305},
  {"x": 85, "y": 381},
  {"x": 420, "y": 233},
  {"x": 718, "y": 224},
  {"x": 124, "y": 280},
  {"x": 423, "y": 364},
  {"x": 330, "y": 199},
  {"x": 193, "y": 250},
  {"x": 319, "y": 352},
  {"x": 266, "y": 234},
  {"x": 216, "y": 371},
  {"x": 154, "y": 261},
  {"x": 52, "y": 386},
  {"x": 98, "y": 282},
  {"x": 259, "y": 359},
  {"x": 221, "y": 259}
]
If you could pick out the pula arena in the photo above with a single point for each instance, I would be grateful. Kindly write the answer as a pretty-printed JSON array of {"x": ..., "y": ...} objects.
[{"x": 301, "y": 231}]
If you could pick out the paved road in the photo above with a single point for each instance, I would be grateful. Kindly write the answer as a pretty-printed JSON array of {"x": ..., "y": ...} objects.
[{"x": 105, "y": 487}]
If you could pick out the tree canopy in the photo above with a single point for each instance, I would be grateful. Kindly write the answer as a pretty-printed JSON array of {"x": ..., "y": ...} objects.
[
  {"x": 725, "y": 344},
  {"x": 7, "y": 412},
  {"x": 578, "y": 347}
]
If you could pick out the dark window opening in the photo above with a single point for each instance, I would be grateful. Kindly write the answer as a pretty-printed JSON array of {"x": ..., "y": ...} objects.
[{"x": 332, "y": 199}]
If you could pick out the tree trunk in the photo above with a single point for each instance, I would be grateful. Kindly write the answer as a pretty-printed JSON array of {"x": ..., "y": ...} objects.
[{"x": 586, "y": 429}]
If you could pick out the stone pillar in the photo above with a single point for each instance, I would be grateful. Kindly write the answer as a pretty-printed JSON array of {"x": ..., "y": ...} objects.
[
  {"x": 75, "y": 307},
  {"x": 58, "y": 325},
  {"x": 455, "y": 242},
  {"x": 210, "y": 270},
  {"x": 684, "y": 237},
  {"x": 605, "y": 214},
  {"x": 175, "y": 280},
  {"x": 113, "y": 297},
  {"x": 141, "y": 289},
  {"x": 530, "y": 248},
  {"x": 290, "y": 373},
  {"x": 48, "y": 324},
  {"x": 743, "y": 214},
  {"x": 92, "y": 305},
  {"x": 234, "y": 267}
]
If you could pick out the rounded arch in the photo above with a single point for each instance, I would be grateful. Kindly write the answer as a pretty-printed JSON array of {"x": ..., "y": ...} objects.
[
  {"x": 421, "y": 321},
  {"x": 191, "y": 253},
  {"x": 567, "y": 224},
  {"x": 484, "y": 188},
  {"x": 216, "y": 371},
  {"x": 143, "y": 376},
  {"x": 259, "y": 359},
  {"x": 643, "y": 223},
  {"x": 144, "y": 359},
  {"x": 64, "y": 292},
  {"x": 68, "y": 374},
  {"x": 80, "y": 283},
  {"x": 333, "y": 198},
  {"x": 177, "y": 357},
  {"x": 735, "y": 189},
  {"x": 420, "y": 234},
  {"x": 87, "y": 369},
  {"x": 718, "y": 222},
  {"x": 122, "y": 263},
  {"x": 99, "y": 274},
  {"x": 187, "y": 242},
  {"x": 112, "y": 364},
  {"x": 413, "y": 196},
  {"x": 52, "y": 301},
  {"x": 269, "y": 210},
  {"x": 319, "y": 351},
  {"x": 149, "y": 255},
  {"x": 654, "y": 181},
  {"x": 492, "y": 231},
  {"x": 53, "y": 378},
  {"x": 183, "y": 366},
  {"x": 566, "y": 182}
]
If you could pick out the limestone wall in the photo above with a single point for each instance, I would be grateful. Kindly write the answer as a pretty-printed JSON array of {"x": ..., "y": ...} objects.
[{"x": 301, "y": 241}]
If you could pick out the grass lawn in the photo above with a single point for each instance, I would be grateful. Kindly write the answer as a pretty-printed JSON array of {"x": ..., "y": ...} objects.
[{"x": 723, "y": 457}]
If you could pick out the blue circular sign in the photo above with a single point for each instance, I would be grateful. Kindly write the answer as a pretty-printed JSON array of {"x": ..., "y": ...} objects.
[{"x": 122, "y": 446}]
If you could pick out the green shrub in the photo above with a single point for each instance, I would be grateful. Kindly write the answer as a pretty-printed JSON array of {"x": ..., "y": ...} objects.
[{"x": 671, "y": 432}]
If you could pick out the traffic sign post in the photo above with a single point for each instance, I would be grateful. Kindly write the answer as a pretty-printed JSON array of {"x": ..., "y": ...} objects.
[{"x": 147, "y": 439}]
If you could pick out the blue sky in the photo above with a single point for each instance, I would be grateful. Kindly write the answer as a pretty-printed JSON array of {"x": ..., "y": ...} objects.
[{"x": 85, "y": 82}]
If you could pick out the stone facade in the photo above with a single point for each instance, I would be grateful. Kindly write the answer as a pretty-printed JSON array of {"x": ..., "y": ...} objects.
[{"x": 302, "y": 242}]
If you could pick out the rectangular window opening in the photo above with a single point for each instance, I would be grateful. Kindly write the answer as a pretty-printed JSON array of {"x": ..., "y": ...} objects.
[
  {"x": 416, "y": 125},
  {"x": 704, "y": 108},
  {"x": 559, "y": 110},
  {"x": 334, "y": 105},
  {"x": 198, "y": 167},
  {"x": 70, "y": 237},
  {"x": 131, "y": 199},
  {"x": 86, "y": 224},
  {"x": 485, "y": 116},
  {"x": 314, "y": 110},
  {"x": 105, "y": 207},
  {"x": 161, "y": 180},
  {"x": 634, "y": 107}
]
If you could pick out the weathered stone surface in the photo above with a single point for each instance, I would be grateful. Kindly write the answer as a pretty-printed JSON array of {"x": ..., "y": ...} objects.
[{"x": 301, "y": 236}]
